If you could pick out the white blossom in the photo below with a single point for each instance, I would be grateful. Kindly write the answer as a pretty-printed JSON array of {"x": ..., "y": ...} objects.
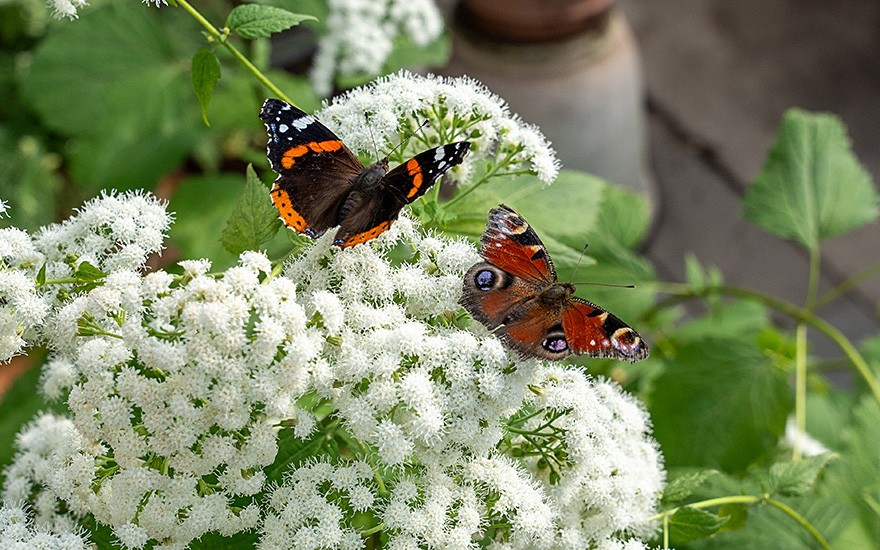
[
  {"x": 187, "y": 394},
  {"x": 361, "y": 34},
  {"x": 17, "y": 531},
  {"x": 393, "y": 108}
]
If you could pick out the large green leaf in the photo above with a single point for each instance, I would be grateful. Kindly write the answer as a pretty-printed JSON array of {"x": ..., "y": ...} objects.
[
  {"x": 797, "y": 477},
  {"x": 115, "y": 84},
  {"x": 719, "y": 403},
  {"x": 812, "y": 186},
  {"x": 688, "y": 524}
]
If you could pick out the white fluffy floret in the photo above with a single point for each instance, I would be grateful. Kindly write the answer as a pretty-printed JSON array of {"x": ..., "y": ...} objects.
[
  {"x": 393, "y": 108},
  {"x": 189, "y": 395},
  {"x": 360, "y": 36},
  {"x": 17, "y": 531}
]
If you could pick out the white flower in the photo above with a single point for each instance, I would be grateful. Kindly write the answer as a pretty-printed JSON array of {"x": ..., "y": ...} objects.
[
  {"x": 795, "y": 437},
  {"x": 22, "y": 311},
  {"x": 65, "y": 8},
  {"x": 393, "y": 107},
  {"x": 111, "y": 232},
  {"x": 17, "y": 530},
  {"x": 360, "y": 35}
]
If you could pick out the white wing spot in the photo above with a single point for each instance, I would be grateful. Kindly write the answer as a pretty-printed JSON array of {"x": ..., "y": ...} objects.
[
  {"x": 439, "y": 154},
  {"x": 302, "y": 122},
  {"x": 283, "y": 128},
  {"x": 592, "y": 342}
]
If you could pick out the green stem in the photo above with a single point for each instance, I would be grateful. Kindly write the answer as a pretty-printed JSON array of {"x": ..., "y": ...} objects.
[
  {"x": 799, "y": 314},
  {"x": 491, "y": 173},
  {"x": 222, "y": 39},
  {"x": 800, "y": 390},
  {"x": 848, "y": 285},
  {"x": 372, "y": 530},
  {"x": 744, "y": 499},
  {"x": 813, "y": 281}
]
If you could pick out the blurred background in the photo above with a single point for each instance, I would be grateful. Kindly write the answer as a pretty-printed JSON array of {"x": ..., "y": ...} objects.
[{"x": 681, "y": 100}]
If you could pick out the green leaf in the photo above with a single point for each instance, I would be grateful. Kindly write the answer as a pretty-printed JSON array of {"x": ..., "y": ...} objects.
[
  {"x": 131, "y": 119},
  {"x": 684, "y": 485},
  {"x": 87, "y": 273},
  {"x": 736, "y": 515},
  {"x": 797, "y": 477},
  {"x": 252, "y": 21},
  {"x": 205, "y": 74},
  {"x": 720, "y": 403},
  {"x": 254, "y": 221},
  {"x": 688, "y": 524},
  {"x": 30, "y": 180},
  {"x": 812, "y": 186}
]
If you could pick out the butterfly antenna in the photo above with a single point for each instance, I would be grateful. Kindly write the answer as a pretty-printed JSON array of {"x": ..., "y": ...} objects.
[
  {"x": 406, "y": 138},
  {"x": 576, "y": 267},
  {"x": 372, "y": 137}
]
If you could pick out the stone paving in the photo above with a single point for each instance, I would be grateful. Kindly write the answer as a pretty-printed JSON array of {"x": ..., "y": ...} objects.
[{"x": 719, "y": 75}]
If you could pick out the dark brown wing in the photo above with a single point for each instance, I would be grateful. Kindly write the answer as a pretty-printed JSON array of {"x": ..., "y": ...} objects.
[
  {"x": 315, "y": 169},
  {"x": 399, "y": 187}
]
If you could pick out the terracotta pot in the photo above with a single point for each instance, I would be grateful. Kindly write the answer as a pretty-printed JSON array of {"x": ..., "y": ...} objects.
[{"x": 533, "y": 20}]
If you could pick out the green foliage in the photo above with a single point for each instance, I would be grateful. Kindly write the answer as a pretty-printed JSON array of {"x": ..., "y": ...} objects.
[
  {"x": 252, "y": 21},
  {"x": 254, "y": 221},
  {"x": 812, "y": 186},
  {"x": 797, "y": 477},
  {"x": 719, "y": 404},
  {"x": 688, "y": 524},
  {"x": 205, "y": 74}
]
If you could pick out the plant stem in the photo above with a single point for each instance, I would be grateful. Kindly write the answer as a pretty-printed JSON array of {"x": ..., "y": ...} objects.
[
  {"x": 222, "y": 39},
  {"x": 848, "y": 285},
  {"x": 799, "y": 314},
  {"x": 800, "y": 390},
  {"x": 744, "y": 499}
]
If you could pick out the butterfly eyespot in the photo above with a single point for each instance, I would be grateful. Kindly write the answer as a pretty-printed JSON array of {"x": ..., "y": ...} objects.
[
  {"x": 555, "y": 344},
  {"x": 485, "y": 280}
]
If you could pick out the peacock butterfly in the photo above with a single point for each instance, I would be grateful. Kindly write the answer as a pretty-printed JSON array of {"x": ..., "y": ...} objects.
[{"x": 515, "y": 293}]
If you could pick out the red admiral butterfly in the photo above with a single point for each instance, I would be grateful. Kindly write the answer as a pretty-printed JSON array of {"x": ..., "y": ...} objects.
[
  {"x": 515, "y": 293},
  {"x": 322, "y": 184}
]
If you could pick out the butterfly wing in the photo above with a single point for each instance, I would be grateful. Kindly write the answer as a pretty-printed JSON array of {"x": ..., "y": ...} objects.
[
  {"x": 397, "y": 188},
  {"x": 592, "y": 330},
  {"x": 315, "y": 169},
  {"x": 503, "y": 292},
  {"x": 516, "y": 295},
  {"x": 511, "y": 244}
]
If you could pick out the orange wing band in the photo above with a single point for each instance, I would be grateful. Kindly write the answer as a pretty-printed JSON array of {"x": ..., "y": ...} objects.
[
  {"x": 366, "y": 235},
  {"x": 288, "y": 159},
  {"x": 415, "y": 171},
  {"x": 288, "y": 213}
]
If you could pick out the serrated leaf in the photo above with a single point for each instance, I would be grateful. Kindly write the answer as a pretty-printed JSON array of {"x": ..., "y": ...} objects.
[
  {"x": 205, "y": 74},
  {"x": 87, "y": 273},
  {"x": 720, "y": 403},
  {"x": 688, "y": 524},
  {"x": 797, "y": 477},
  {"x": 686, "y": 484},
  {"x": 812, "y": 186},
  {"x": 254, "y": 220},
  {"x": 252, "y": 21}
]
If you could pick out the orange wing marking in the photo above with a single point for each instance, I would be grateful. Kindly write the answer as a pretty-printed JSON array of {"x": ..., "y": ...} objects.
[
  {"x": 366, "y": 235},
  {"x": 415, "y": 171},
  {"x": 289, "y": 215},
  {"x": 288, "y": 159}
]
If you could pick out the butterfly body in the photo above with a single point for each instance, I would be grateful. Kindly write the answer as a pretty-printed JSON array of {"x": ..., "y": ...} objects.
[
  {"x": 321, "y": 184},
  {"x": 516, "y": 294}
]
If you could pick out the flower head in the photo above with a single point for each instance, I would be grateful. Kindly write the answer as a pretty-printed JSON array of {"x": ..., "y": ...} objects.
[{"x": 393, "y": 109}]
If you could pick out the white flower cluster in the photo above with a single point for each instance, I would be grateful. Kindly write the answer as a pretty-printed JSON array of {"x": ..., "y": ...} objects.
[
  {"x": 361, "y": 34},
  {"x": 17, "y": 532},
  {"x": 110, "y": 233},
  {"x": 395, "y": 106},
  {"x": 393, "y": 418},
  {"x": 613, "y": 473},
  {"x": 65, "y": 8}
]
